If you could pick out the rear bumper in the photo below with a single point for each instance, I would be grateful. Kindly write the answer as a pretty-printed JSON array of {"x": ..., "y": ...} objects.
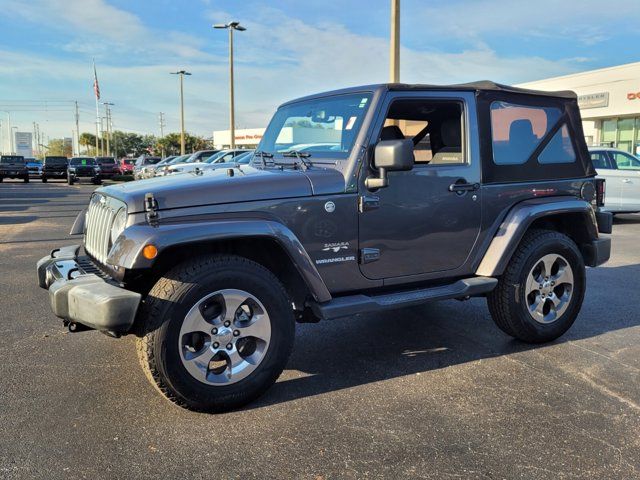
[
  {"x": 605, "y": 221},
  {"x": 597, "y": 252},
  {"x": 85, "y": 298}
]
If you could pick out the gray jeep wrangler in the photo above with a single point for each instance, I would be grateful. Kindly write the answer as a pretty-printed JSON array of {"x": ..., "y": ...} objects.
[{"x": 358, "y": 200}]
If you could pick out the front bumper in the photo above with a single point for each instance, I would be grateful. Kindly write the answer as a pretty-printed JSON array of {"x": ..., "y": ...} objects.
[{"x": 79, "y": 296}]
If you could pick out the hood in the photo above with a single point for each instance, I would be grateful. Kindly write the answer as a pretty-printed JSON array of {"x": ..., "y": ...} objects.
[{"x": 217, "y": 187}]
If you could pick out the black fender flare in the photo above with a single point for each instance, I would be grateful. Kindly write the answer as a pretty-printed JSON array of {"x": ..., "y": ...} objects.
[
  {"x": 518, "y": 221},
  {"x": 127, "y": 249}
]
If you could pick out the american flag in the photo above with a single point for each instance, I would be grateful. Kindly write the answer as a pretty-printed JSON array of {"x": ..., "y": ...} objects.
[{"x": 96, "y": 87}]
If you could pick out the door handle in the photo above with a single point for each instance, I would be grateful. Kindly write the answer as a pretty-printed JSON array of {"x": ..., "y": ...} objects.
[{"x": 462, "y": 186}]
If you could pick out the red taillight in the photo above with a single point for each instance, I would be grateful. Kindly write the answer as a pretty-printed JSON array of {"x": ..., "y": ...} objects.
[{"x": 600, "y": 191}]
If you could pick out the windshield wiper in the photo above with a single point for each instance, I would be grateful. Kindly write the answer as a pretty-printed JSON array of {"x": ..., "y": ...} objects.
[
  {"x": 300, "y": 156},
  {"x": 262, "y": 154}
]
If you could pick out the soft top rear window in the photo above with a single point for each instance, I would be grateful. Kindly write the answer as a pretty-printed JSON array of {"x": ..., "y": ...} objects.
[{"x": 517, "y": 130}]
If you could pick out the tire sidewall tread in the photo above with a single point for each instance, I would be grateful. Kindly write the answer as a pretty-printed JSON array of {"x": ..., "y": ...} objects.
[
  {"x": 163, "y": 312},
  {"x": 506, "y": 301}
]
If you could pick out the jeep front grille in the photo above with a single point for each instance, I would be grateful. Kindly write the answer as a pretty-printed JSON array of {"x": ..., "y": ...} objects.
[{"x": 101, "y": 212}]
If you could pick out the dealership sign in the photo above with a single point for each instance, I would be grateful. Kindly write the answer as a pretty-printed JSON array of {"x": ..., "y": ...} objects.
[
  {"x": 24, "y": 144},
  {"x": 593, "y": 100}
]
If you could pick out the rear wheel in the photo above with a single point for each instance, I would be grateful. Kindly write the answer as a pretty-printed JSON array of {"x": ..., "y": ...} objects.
[
  {"x": 539, "y": 296},
  {"x": 217, "y": 332},
  {"x": 26, "y": 179},
  {"x": 44, "y": 179},
  {"x": 70, "y": 180}
]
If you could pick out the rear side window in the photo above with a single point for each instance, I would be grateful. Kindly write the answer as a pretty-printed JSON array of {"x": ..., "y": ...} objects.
[
  {"x": 599, "y": 160},
  {"x": 625, "y": 161},
  {"x": 517, "y": 130},
  {"x": 559, "y": 149}
]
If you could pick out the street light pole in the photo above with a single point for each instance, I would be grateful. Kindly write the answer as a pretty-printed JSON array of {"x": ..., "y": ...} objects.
[
  {"x": 13, "y": 140},
  {"x": 182, "y": 73},
  {"x": 231, "y": 26},
  {"x": 394, "y": 47}
]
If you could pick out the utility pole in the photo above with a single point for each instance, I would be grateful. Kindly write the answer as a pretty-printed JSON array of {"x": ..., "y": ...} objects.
[
  {"x": 231, "y": 26},
  {"x": 34, "y": 141},
  {"x": 162, "y": 125},
  {"x": 77, "y": 130},
  {"x": 394, "y": 47},
  {"x": 182, "y": 73},
  {"x": 107, "y": 107}
]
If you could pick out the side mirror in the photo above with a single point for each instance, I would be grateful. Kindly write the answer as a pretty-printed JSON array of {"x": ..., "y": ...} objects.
[{"x": 390, "y": 156}]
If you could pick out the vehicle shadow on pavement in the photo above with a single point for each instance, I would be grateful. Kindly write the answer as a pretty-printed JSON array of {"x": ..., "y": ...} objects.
[
  {"x": 626, "y": 219},
  {"x": 346, "y": 353}
]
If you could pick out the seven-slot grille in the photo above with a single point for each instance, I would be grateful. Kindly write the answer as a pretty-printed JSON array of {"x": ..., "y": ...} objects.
[{"x": 100, "y": 215}]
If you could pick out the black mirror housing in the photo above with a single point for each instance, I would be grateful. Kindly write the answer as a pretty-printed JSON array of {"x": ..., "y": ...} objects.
[{"x": 390, "y": 156}]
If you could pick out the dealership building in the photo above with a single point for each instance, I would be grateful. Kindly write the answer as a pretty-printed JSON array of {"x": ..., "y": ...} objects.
[{"x": 609, "y": 100}]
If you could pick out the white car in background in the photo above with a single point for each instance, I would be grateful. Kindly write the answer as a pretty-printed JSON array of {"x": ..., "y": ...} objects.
[
  {"x": 621, "y": 170},
  {"x": 222, "y": 156}
]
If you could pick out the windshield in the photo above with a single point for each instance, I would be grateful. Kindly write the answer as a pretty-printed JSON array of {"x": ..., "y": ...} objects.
[
  {"x": 130, "y": 162},
  {"x": 106, "y": 160},
  {"x": 11, "y": 159},
  {"x": 82, "y": 161},
  {"x": 216, "y": 156},
  {"x": 325, "y": 127},
  {"x": 244, "y": 158}
]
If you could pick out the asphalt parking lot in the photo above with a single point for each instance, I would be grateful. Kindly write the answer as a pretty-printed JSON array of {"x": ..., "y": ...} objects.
[{"x": 430, "y": 392}]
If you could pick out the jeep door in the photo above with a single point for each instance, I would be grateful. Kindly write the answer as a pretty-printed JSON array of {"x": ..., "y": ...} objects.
[{"x": 428, "y": 218}]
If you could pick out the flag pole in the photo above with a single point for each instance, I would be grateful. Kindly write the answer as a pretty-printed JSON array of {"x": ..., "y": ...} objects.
[{"x": 96, "y": 91}]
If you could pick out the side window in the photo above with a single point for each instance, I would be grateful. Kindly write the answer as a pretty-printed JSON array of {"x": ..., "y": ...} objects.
[
  {"x": 517, "y": 130},
  {"x": 436, "y": 128},
  {"x": 599, "y": 160},
  {"x": 626, "y": 161},
  {"x": 559, "y": 149}
]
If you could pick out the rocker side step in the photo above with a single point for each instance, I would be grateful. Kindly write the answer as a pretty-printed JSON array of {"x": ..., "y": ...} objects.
[{"x": 355, "y": 304}]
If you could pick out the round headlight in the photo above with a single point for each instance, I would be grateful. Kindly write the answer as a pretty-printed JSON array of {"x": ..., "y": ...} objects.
[{"x": 118, "y": 224}]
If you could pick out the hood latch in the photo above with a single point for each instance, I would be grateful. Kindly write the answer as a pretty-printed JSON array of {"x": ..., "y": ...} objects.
[{"x": 151, "y": 209}]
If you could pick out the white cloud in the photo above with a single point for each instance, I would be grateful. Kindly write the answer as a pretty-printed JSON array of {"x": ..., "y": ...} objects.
[
  {"x": 276, "y": 61},
  {"x": 580, "y": 20}
]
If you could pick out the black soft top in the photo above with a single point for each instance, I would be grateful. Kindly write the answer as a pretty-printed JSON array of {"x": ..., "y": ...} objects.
[{"x": 479, "y": 86}]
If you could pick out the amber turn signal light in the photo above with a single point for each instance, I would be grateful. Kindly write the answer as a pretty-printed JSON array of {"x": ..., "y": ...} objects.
[{"x": 150, "y": 252}]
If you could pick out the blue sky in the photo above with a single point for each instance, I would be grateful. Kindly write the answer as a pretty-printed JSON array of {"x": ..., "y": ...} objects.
[{"x": 291, "y": 48}]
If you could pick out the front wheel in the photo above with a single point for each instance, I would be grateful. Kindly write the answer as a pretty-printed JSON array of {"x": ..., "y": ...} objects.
[
  {"x": 539, "y": 296},
  {"x": 44, "y": 179},
  {"x": 70, "y": 180},
  {"x": 217, "y": 331},
  {"x": 26, "y": 179}
]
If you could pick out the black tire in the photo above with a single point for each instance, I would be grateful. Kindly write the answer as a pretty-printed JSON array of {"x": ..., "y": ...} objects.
[
  {"x": 163, "y": 314},
  {"x": 70, "y": 180},
  {"x": 44, "y": 179},
  {"x": 1, "y": 179},
  {"x": 26, "y": 179},
  {"x": 508, "y": 303}
]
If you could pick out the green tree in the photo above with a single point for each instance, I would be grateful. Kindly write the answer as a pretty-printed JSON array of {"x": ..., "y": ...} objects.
[
  {"x": 127, "y": 143},
  {"x": 170, "y": 143},
  {"x": 88, "y": 140},
  {"x": 58, "y": 148}
]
